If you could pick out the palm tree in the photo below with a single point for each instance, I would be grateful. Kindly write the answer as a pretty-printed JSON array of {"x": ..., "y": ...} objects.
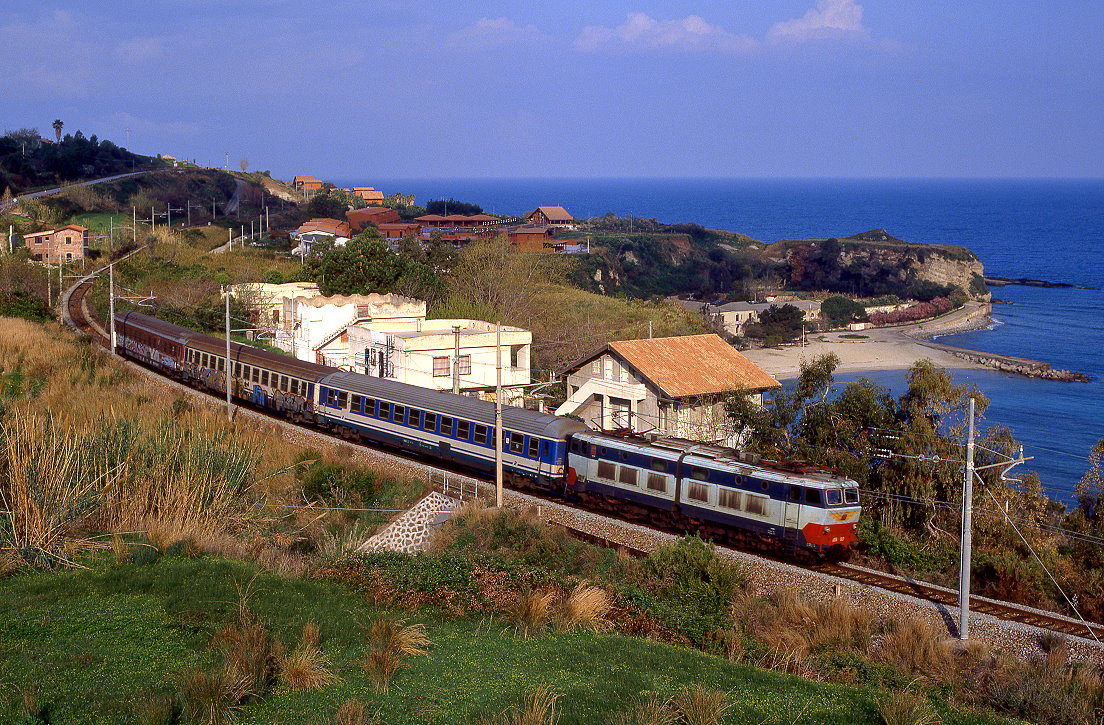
[{"x": 57, "y": 129}]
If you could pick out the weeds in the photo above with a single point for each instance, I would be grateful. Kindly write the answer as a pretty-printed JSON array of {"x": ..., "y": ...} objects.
[
  {"x": 916, "y": 647},
  {"x": 533, "y": 612},
  {"x": 306, "y": 667},
  {"x": 251, "y": 655},
  {"x": 699, "y": 705},
  {"x": 538, "y": 708},
  {"x": 353, "y": 712},
  {"x": 390, "y": 643},
  {"x": 586, "y": 607},
  {"x": 215, "y": 697},
  {"x": 650, "y": 710},
  {"x": 906, "y": 708}
]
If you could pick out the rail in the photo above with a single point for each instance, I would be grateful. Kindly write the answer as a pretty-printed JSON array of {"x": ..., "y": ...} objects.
[{"x": 467, "y": 488}]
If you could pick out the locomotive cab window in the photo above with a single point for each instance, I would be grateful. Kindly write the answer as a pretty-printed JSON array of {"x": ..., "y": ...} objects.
[
  {"x": 795, "y": 493},
  {"x": 576, "y": 446},
  {"x": 812, "y": 496},
  {"x": 851, "y": 494},
  {"x": 832, "y": 497}
]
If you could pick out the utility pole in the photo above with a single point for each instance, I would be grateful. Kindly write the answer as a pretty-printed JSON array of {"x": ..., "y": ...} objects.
[
  {"x": 226, "y": 165},
  {"x": 111, "y": 304},
  {"x": 134, "y": 223},
  {"x": 212, "y": 210},
  {"x": 230, "y": 241},
  {"x": 649, "y": 329},
  {"x": 229, "y": 365},
  {"x": 11, "y": 237},
  {"x": 456, "y": 360},
  {"x": 967, "y": 525},
  {"x": 498, "y": 414},
  {"x": 268, "y": 220}
]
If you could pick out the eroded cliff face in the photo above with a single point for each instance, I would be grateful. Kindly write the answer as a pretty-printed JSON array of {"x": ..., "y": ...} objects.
[{"x": 880, "y": 266}]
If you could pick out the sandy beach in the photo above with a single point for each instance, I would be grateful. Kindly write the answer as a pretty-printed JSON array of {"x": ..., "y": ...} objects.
[{"x": 888, "y": 348}]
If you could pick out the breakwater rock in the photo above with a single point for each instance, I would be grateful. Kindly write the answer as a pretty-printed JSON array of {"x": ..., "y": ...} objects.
[{"x": 1017, "y": 365}]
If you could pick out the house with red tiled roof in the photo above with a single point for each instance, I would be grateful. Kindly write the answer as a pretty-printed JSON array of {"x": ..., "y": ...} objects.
[
  {"x": 555, "y": 216},
  {"x": 369, "y": 194},
  {"x": 672, "y": 386},
  {"x": 312, "y": 231},
  {"x": 67, "y": 244},
  {"x": 361, "y": 219}
]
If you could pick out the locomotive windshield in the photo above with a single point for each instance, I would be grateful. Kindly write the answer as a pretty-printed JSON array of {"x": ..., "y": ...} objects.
[
  {"x": 851, "y": 494},
  {"x": 832, "y": 497}
]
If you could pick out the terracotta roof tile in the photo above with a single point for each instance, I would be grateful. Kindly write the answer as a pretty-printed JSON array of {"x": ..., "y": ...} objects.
[
  {"x": 693, "y": 365},
  {"x": 555, "y": 213}
]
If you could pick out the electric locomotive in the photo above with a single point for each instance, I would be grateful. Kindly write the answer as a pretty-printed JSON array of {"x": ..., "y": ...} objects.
[{"x": 715, "y": 491}]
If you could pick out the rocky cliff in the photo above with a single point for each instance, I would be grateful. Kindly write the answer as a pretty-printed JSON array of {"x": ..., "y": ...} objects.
[{"x": 876, "y": 263}]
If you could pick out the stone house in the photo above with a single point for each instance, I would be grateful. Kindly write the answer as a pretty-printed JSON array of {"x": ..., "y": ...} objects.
[
  {"x": 673, "y": 386},
  {"x": 67, "y": 244}
]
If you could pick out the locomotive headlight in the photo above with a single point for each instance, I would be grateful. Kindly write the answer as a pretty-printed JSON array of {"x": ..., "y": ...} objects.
[{"x": 827, "y": 529}]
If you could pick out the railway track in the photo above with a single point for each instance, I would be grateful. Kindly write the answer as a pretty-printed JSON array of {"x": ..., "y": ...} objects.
[{"x": 78, "y": 314}]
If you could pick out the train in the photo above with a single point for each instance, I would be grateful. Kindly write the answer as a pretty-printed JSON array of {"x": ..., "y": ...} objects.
[{"x": 722, "y": 494}]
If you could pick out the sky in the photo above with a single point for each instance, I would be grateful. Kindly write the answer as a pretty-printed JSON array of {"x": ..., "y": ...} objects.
[{"x": 568, "y": 88}]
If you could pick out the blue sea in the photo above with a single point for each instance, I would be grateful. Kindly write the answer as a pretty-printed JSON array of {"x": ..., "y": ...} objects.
[{"x": 1042, "y": 229}]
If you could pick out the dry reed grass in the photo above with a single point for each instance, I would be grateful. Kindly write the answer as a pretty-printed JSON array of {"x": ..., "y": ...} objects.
[
  {"x": 917, "y": 647},
  {"x": 533, "y": 612},
  {"x": 213, "y": 698},
  {"x": 650, "y": 710},
  {"x": 698, "y": 705},
  {"x": 906, "y": 708},
  {"x": 251, "y": 655},
  {"x": 120, "y": 549},
  {"x": 586, "y": 607},
  {"x": 307, "y": 667},
  {"x": 154, "y": 710},
  {"x": 390, "y": 643},
  {"x": 537, "y": 708},
  {"x": 353, "y": 712}
]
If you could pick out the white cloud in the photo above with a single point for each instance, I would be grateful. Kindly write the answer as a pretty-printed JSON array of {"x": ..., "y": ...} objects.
[
  {"x": 640, "y": 31},
  {"x": 829, "y": 19},
  {"x": 138, "y": 50},
  {"x": 493, "y": 32}
]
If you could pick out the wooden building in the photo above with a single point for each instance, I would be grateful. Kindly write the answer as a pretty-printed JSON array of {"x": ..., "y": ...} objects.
[{"x": 555, "y": 216}]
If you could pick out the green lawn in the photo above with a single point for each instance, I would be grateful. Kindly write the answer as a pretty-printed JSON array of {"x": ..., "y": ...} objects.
[{"x": 97, "y": 643}]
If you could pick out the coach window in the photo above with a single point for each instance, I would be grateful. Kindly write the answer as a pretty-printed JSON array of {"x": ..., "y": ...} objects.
[
  {"x": 517, "y": 443},
  {"x": 430, "y": 422},
  {"x": 237, "y": 370},
  {"x": 446, "y": 425},
  {"x": 698, "y": 491},
  {"x": 256, "y": 375},
  {"x": 369, "y": 406},
  {"x": 414, "y": 417},
  {"x": 398, "y": 413},
  {"x": 728, "y": 498},
  {"x": 357, "y": 402},
  {"x": 480, "y": 435},
  {"x": 203, "y": 361},
  {"x": 463, "y": 429},
  {"x": 534, "y": 447},
  {"x": 384, "y": 410},
  {"x": 264, "y": 378},
  {"x": 795, "y": 493},
  {"x": 812, "y": 496}
]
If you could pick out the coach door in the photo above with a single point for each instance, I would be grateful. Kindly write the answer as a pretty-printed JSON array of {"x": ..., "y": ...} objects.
[{"x": 792, "y": 508}]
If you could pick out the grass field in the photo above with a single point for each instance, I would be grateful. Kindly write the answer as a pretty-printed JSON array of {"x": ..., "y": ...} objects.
[{"x": 96, "y": 646}]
